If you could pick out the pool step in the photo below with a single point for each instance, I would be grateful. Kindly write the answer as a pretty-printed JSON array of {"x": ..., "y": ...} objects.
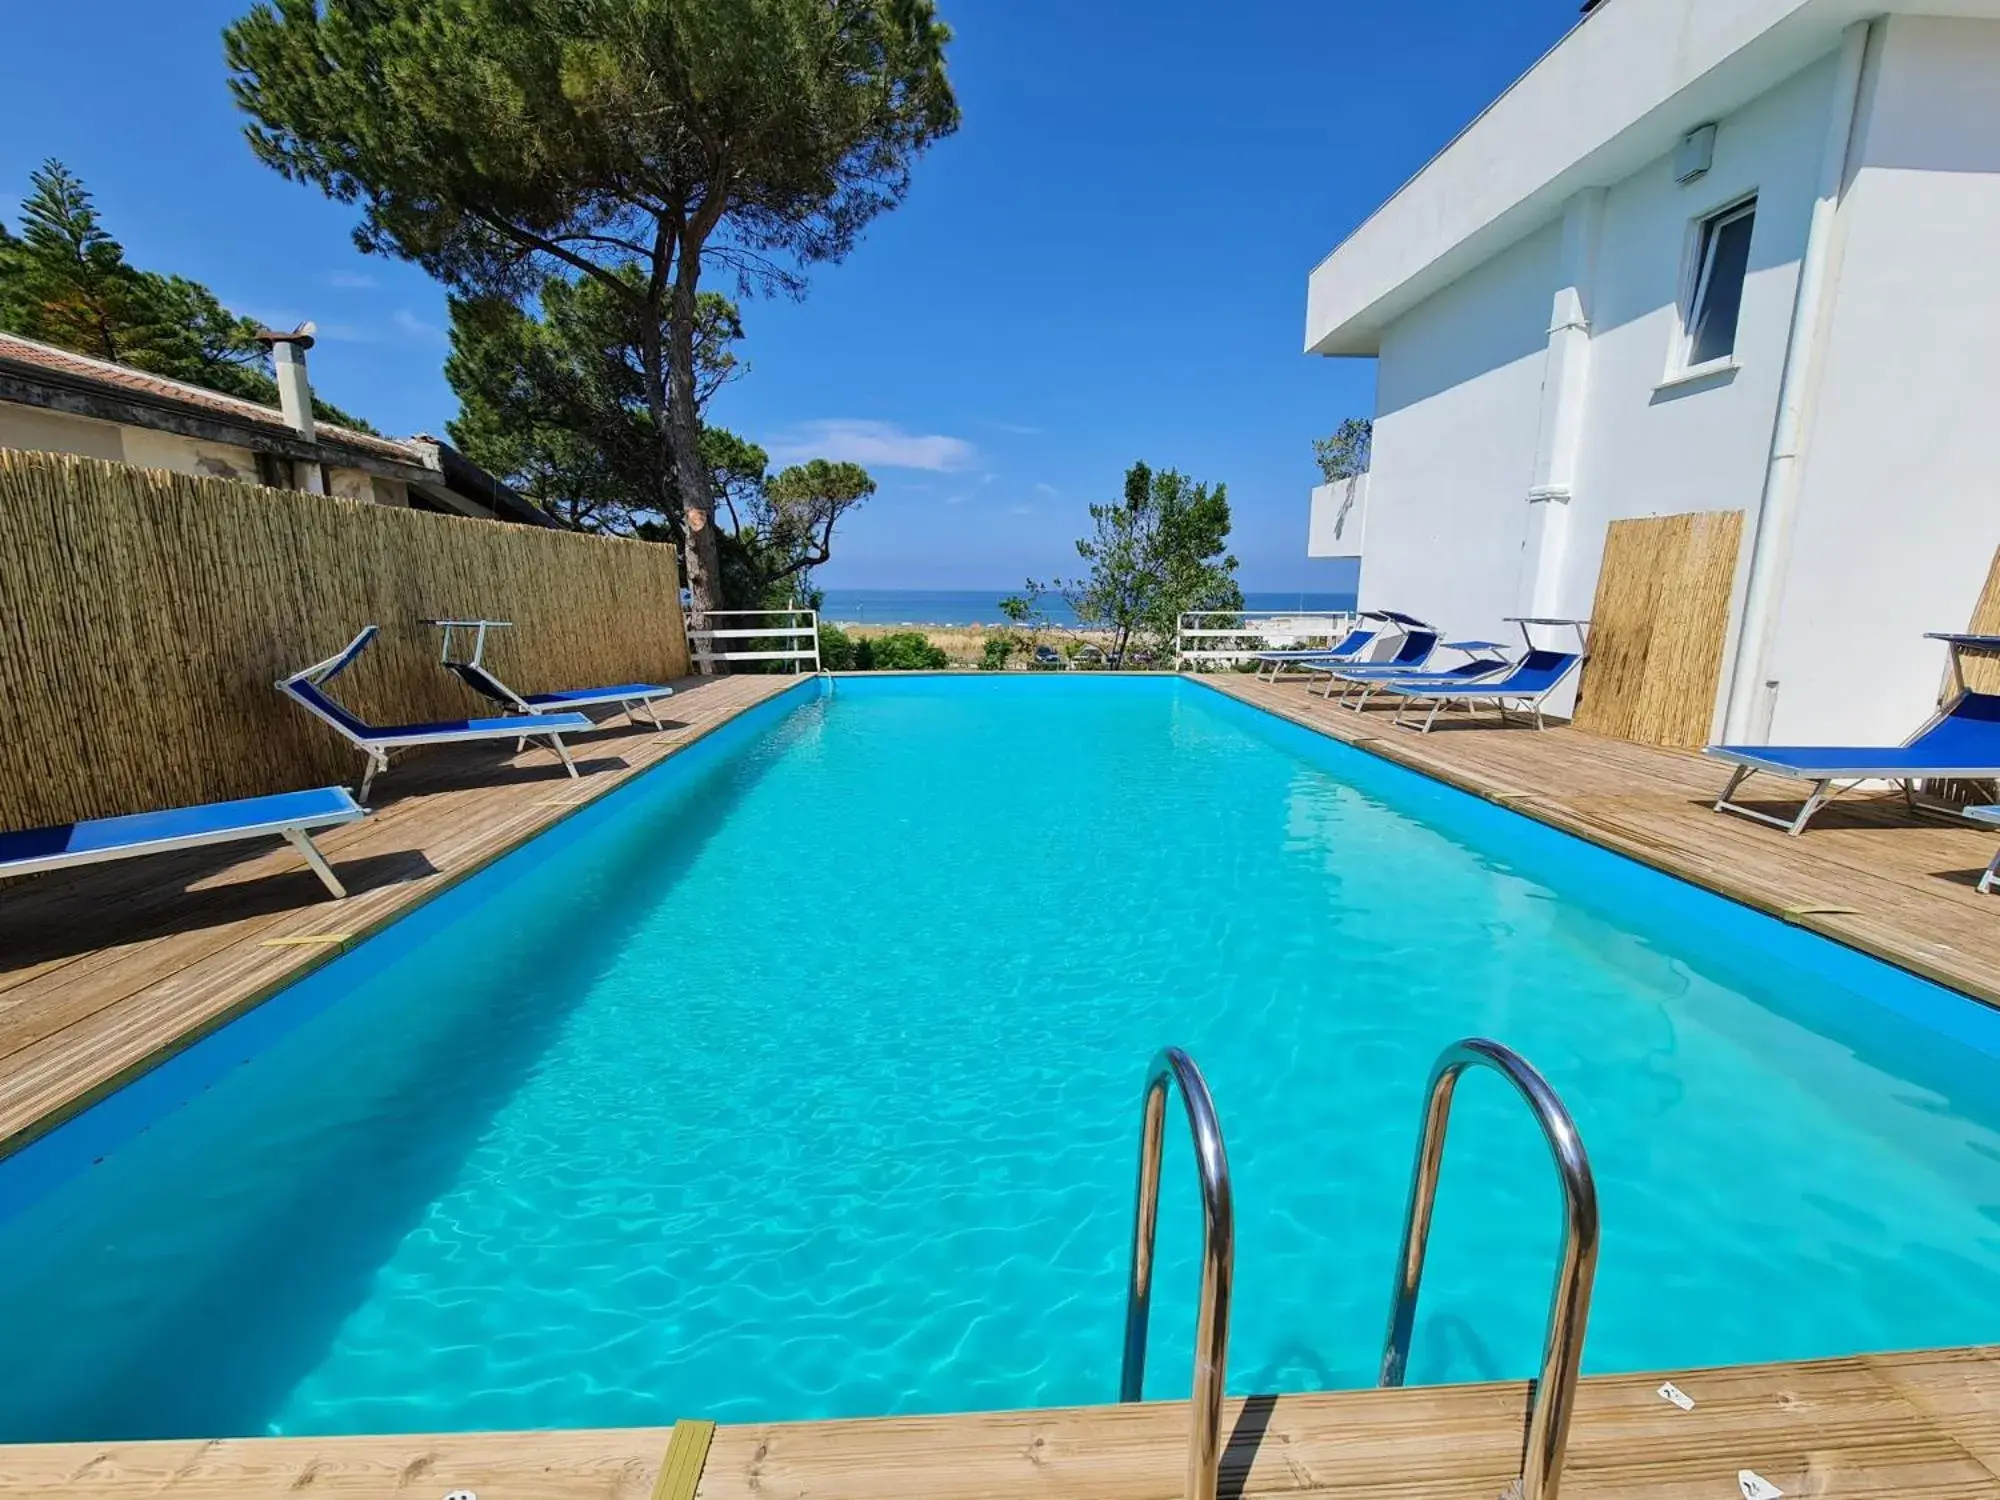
[{"x": 1869, "y": 1427}]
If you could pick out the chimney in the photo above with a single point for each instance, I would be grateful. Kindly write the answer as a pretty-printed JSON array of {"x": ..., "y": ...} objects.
[{"x": 288, "y": 354}]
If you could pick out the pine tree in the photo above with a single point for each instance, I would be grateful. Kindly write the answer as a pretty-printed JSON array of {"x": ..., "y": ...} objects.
[{"x": 65, "y": 281}]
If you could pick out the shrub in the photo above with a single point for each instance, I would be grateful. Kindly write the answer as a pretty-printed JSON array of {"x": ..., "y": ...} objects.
[
  {"x": 836, "y": 649},
  {"x": 993, "y": 655},
  {"x": 902, "y": 651}
]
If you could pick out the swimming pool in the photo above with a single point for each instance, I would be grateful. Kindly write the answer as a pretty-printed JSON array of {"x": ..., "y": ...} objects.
[{"x": 800, "y": 1077}]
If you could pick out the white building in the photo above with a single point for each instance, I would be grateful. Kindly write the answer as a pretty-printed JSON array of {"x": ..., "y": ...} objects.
[{"x": 1707, "y": 255}]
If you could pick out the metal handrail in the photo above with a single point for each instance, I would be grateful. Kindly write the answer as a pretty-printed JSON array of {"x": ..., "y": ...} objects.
[
  {"x": 1569, "y": 1311},
  {"x": 1218, "y": 1260},
  {"x": 704, "y": 635}
]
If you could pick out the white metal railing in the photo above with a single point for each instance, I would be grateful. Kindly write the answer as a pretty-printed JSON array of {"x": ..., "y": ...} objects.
[
  {"x": 1229, "y": 636},
  {"x": 796, "y": 631}
]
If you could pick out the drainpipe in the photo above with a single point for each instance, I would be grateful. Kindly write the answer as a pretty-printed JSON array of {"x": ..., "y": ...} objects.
[
  {"x": 288, "y": 359},
  {"x": 1753, "y": 696},
  {"x": 1565, "y": 377}
]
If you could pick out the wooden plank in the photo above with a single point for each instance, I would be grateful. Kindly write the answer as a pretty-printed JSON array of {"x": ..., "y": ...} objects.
[
  {"x": 687, "y": 1455},
  {"x": 1862, "y": 1428},
  {"x": 111, "y": 969},
  {"x": 588, "y": 1465}
]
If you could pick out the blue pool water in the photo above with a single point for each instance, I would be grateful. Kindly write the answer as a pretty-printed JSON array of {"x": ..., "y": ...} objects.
[{"x": 800, "y": 1078}]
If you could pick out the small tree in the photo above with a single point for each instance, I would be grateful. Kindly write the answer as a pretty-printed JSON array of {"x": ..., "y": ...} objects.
[
  {"x": 781, "y": 527},
  {"x": 1345, "y": 455},
  {"x": 638, "y": 143},
  {"x": 1156, "y": 554}
]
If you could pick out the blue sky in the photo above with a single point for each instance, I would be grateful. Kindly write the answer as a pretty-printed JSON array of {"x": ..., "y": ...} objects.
[{"x": 1107, "y": 262}]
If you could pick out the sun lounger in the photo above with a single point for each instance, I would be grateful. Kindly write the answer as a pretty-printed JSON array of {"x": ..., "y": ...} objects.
[
  {"x": 475, "y": 674},
  {"x": 378, "y": 742},
  {"x": 1477, "y": 667},
  {"x": 1961, "y": 742},
  {"x": 1348, "y": 648},
  {"x": 1411, "y": 653},
  {"x": 630, "y": 697},
  {"x": 292, "y": 816},
  {"x": 1522, "y": 690}
]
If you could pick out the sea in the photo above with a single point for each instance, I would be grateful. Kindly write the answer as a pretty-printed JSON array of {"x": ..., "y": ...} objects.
[{"x": 982, "y": 606}]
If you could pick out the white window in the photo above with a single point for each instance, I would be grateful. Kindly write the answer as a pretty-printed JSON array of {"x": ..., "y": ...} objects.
[{"x": 1722, "y": 256}]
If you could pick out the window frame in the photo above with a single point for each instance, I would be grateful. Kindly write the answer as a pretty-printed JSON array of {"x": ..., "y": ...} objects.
[{"x": 1703, "y": 236}]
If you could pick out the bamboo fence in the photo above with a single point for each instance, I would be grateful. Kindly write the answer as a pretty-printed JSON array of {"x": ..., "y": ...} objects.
[
  {"x": 145, "y": 616},
  {"x": 1658, "y": 626},
  {"x": 1982, "y": 671}
]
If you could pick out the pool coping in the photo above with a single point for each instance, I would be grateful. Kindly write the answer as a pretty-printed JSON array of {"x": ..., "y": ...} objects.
[
  {"x": 1864, "y": 1425},
  {"x": 1549, "y": 809}
]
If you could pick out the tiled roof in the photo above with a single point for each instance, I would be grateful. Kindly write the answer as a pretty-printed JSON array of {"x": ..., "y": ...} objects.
[{"x": 158, "y": 389}]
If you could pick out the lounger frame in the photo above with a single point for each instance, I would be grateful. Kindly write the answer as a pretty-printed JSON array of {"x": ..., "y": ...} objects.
[
  {"x": 379, "y": 747},
  {"x": 295, "y": 830},
  {"x": 472, "y": 670},
  {"x": 629, "y": 703},
  {"x": 1830, "y": 784}
]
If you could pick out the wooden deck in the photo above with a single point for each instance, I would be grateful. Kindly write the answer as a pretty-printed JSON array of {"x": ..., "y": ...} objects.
[
  {"x": 1867, "y": 872},
  {"x": 1865, "y": 1428},
  {"x": 107, "y": 970}
]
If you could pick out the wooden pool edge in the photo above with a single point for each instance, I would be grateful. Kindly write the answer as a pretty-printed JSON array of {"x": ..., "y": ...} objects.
[
  {"x": 1548, "y": 809},
  {"x": 1863, "y": 1427}
]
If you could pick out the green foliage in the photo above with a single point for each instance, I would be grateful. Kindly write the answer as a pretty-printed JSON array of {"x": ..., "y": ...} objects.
[
  {"x": 65, "y": 281},
  {"x": 900, "y": 651},
  {"x": 554, "y": 401},
  {"x": 1347, "y": 452},
  {"x": 496, "y": 141},
  {"x": 1157, "y": 553},
  {"x": 994, "y": 652},
  {"x": 836, "y": 648}
]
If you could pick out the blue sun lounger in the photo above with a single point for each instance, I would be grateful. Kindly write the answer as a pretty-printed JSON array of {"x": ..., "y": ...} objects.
[
  {"x": 379, "y": 742},
  {"x": 1347, "y": 648},
  {"x": 475, "y": 674},
  {"x": 1480, "y": 665},
  {"x": 1523, "y": 690},
  {"x": 1961, "y": 743},
  {"x": 1416, "y": 648},
  {"x": 292, "y": 816}
]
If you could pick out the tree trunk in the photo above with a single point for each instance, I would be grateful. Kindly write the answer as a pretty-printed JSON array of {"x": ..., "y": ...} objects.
[{"x": 704, "y": 563}]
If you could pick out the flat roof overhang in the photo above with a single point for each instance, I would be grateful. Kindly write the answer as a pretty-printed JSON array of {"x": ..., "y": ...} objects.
[{"x": 1626, "y": 83}]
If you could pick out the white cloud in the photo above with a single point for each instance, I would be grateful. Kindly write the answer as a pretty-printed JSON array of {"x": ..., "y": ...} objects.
[
  {"x": 351, "y": 281},
  {"x": 1043, "y": 487},
  {"x": 881, "y": 444}
]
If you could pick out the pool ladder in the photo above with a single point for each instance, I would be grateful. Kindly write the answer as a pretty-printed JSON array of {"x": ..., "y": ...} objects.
[{"x": 1569, "y": 1310}]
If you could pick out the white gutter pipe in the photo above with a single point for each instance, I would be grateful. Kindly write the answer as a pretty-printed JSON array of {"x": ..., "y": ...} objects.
[{"x": 1751, "y": 696}]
